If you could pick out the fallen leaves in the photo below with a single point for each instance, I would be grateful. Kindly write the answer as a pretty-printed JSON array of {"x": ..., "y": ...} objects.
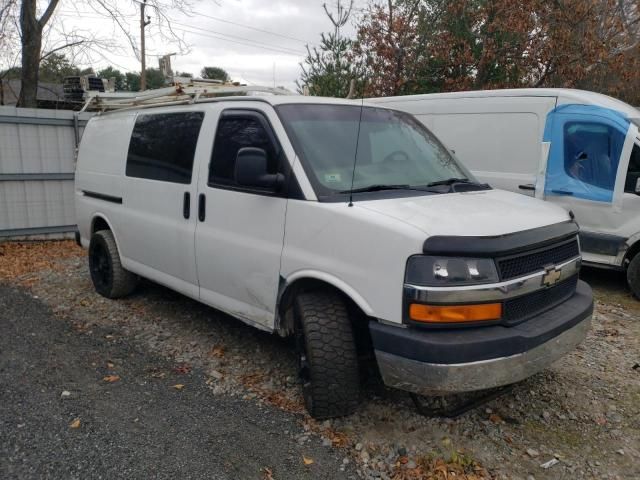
[
  {"x": 22, "y": 261},
  {"x": 182, "y": 369},
  {"x": 307, "y": 461},
  {"x": 254, "y": 382},
  {"x": 178, "y": 386},
  {"x": 267, "y": 474},
  {"x": 111, "y": 378},
  {"x": 75, "y": 423},
  {"x": 338, "y": 439},
  {"x": 217, "y": 352},
  {"x": 458, "y": 467},
  {"x": 495, "y": 418},
  {"x": 157, "y": 373}
]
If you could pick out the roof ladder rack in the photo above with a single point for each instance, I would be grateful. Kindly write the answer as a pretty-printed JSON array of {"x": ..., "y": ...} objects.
[{"x": 178, "y": 94}]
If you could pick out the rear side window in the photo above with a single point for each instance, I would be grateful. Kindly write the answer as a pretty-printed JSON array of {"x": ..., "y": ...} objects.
[
  {"x": 163, "y": 145},
  {"x": 236, "y": 132}
]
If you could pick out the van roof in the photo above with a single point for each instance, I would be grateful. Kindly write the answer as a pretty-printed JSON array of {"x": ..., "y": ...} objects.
[
  {"x": 573, "y": 95},
  {"x": 175, "y": 96}
]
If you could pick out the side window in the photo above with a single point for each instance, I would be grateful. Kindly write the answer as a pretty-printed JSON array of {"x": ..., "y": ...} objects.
[
  {"x": 163, "y": 145},
  {"x": 632, "y": 183},
  {"x": 592, "y": 152},
  {"x": 233, "y": 133}
]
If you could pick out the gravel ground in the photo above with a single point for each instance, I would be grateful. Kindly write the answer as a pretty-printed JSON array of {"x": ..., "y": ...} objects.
[
  {"x": 91, "y": 405},
  {"x": 579, "y": 419}
]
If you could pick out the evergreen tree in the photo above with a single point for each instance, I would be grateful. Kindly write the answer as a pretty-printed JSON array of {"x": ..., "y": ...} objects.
[
  {"x": 332, "y": 70},
  {"x": 214, "y": 73},
  {"x": 328, "y": 70}
]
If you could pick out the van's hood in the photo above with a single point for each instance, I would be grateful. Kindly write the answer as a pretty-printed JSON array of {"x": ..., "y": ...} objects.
[{"x": 481, "y": 213}]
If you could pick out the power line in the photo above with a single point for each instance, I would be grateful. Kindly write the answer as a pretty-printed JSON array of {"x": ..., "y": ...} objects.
[
  {"x": 244, "y": 39},
  {"x": 218, "y": 19},
  {"x": 216, "y": 35},
  {"x": 264, "y": 47}
]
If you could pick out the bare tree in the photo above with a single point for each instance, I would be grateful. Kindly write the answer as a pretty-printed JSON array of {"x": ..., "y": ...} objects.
[
  {"x": 340, "y": 17},
  {"x": 34, "y": 26}
]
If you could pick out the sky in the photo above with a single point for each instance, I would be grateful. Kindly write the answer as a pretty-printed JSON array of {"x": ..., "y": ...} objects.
[{"x": 259, "y": 42}]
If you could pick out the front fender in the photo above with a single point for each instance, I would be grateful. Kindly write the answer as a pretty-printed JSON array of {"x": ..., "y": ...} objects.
[{"x": 332, "y": 280}]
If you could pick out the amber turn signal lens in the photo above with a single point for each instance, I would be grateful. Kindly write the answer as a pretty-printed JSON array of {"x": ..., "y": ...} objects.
[{"x": 455, "y": 313}]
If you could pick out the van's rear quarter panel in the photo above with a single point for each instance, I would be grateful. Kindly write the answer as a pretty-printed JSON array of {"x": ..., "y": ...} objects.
[{"x": 101, "y": 165}]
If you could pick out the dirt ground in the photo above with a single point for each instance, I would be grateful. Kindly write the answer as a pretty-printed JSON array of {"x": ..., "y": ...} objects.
[{"x": 579, "y": 419}]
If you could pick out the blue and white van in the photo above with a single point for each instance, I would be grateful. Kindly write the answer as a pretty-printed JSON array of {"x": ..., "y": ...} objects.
[{"x": 578, "y": 149}]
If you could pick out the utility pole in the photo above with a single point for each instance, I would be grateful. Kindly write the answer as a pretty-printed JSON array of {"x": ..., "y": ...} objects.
[{"x": 143, "y": 24}]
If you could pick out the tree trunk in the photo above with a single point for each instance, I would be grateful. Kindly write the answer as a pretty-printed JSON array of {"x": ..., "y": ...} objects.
[{"x": 31, "y": 49}]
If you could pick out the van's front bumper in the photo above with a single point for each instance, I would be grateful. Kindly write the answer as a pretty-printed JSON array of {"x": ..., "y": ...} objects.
[{"x": 432, "y": 362}]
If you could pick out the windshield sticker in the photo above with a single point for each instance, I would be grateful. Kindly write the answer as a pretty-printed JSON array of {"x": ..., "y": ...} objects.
[{"x": 332, "y": 177}]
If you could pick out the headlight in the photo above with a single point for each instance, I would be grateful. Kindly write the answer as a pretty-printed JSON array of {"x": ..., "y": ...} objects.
[{"x": 448, "y": 271}]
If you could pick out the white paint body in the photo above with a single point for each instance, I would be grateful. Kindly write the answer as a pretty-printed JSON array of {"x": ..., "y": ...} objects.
[
  {"x": 498, "y": 135},
  {"x": 249, "y": 246}
]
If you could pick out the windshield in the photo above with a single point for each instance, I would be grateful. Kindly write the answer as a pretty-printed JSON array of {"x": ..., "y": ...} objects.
[{"x": 394, "y": 149}]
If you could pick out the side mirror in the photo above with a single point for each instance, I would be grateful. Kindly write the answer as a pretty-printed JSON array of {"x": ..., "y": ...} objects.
[{"x": 251, "y": 170}]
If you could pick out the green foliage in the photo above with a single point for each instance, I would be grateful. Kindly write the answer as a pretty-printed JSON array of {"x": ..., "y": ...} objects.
[
  {"x": 11, "y": 73},
  {"x": 155, "y": 79},
  {"x": 328, "y": 70},
  {"x": 110, "y": 72},
  {"x": 132, "y": 81},
  {"x": 214, "y": 73},
  {"x": 55, "y": 67}
]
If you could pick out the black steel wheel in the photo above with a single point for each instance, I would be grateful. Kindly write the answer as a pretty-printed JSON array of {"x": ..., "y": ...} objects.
[{"x": 109, "y": 278}]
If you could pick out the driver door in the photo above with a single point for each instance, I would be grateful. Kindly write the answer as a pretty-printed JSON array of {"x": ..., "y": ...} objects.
[
  {"x": 240, "y": 230},
  {"x": 586, "y": 170}
]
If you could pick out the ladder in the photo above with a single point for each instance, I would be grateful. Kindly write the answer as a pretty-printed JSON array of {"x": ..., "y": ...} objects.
[{"x": 178, "y": 94}]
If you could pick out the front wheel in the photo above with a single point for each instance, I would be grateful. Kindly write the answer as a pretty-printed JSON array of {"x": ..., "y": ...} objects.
[
  {"x": 109, "y": 277},
  {"x": 327, "y": 355},
  {"x": 633, "y": 276}
]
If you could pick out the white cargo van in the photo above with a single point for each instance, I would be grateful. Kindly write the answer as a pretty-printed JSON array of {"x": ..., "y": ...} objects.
[
  {"x": 348, "y": 226},
  {"x": 577, "y": 149}
]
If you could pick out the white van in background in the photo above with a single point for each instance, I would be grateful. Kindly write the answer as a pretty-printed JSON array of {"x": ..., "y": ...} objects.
[
  {"x": 349, "y": 227},
  {"x": 578, "y": 149}
]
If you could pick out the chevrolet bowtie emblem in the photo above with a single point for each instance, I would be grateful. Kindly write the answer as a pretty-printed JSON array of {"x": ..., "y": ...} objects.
[{"x": 551, "y": 276}]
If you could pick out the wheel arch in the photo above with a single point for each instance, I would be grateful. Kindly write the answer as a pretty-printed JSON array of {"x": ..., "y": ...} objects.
[
  {"x": 310, "y": 280},
  {"x": 98, "y": 222},
  {"x": 633, "y": 248}
]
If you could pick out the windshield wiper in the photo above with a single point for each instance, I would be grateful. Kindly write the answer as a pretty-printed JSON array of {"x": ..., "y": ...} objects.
[
  {"x": 463, "y": 182},
  {"x": 449, "y": 181},
  {"x": 377, "y": 188}
]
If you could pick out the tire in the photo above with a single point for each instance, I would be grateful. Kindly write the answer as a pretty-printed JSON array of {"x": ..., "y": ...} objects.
[
  {"x": 633, "y": 276},
  {"x": 109, "y": 278},
  {"x": 327, "y": 356}
]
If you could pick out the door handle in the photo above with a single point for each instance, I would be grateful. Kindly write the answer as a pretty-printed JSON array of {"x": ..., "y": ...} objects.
[
  {"x": 561, "y": 192},
  {"x": 186, "y": 205},
  {"x": 202, "y": 206},
  {"x": 528, "y": 186}
]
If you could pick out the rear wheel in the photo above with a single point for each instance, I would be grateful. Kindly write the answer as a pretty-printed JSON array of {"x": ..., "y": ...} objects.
[
  {"x": 327, "y": 357},
  {"x": 109, "y": 278},
  {"x": 633, "y": 276}
]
